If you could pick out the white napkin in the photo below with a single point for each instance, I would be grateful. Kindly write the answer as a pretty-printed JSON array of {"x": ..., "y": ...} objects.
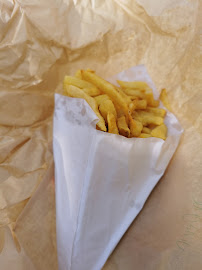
[{"x": 102, "y": 180}]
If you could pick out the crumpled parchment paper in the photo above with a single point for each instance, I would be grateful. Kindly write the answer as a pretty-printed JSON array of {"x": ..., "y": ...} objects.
[{"x": 40, "y": 42}]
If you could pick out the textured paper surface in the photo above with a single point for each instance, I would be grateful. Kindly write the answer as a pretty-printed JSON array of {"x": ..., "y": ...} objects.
[
  {"x": 102, "y": 180},
  {"x": 40, "y": 42}
]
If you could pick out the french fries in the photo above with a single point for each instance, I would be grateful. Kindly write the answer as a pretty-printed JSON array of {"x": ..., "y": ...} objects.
[
  {"x": 129, "y": 110},
  {"x": 157, "y": 111},
  {"x": 145, "y": 135},
  {"x": 87, "y": 87},
  {"x": 134, "y": 93},
  {"x": 140, "y": 104},
  {"x": 106, "y": 88},
  {"x": 135, "y": 127},
  {"x": 150, "y": 100},
  {"x": 160, "y": 132},
  {"x": 99, "y": 99},
  {"x": 133, "y": 85},
  {"x": 78, "y": 74},
  {"x": 164, "y": 99},
  {"x": 147, "y": 118},
  {"x": 74, "y": 91},
  {"x": 124, "y": 96},
  {"x": 146, "y": 130},
  {"x": 123, "y": 127},
  {"x": 106, "y": 107},
  {"x": 112, "y": 126}
]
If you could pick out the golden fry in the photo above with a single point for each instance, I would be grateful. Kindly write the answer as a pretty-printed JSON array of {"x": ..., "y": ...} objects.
[
  {"x": 157, "y": 111},
  {"x": 106, "y": 107},
  {"x": 90, "y": 70},
  {"x": 123, "y": 127},
  {"x": 120, "y": 112},
  {"x": 106, "y": 88},
  {"x": 140, "y": 104},
  {"x": 145, "y": 135},
  {"x": 76, "y": 92},
  {"x": 133, "y": 85},
  {"x": 164, "y": 99},
  {"x": 89, "y": 88},
  {"x": 132, "y": 107},
  {"x": 111, "y": 120},
  {"x": 78, "y": 74},
  {"x": 147, "y": 118},
  {"x": 160, "y": 132},
  {"x": 150, "y": 100},
  {"x": 129, "y": 110},
  {"x": 124, "y": 96},
  {"x": 134, "y": 93},
  {"x": 151, "y": 126},
  {"x": 137, "y": 105},
  {"x": 91, "y": 92},
  {"x": 148, "y": 90},
  {"x": 146, "y": 130},
  {"x": 135, "y": 127},
  {"x": 154, "y": 103},
  {"x": 70, "y": 80},
  {"x": 133, "y": 98},
  {"x": 99, "y": 99}
]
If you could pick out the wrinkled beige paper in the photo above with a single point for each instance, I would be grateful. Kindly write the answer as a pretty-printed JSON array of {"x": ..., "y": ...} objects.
[{"x": 40, "y": 42}]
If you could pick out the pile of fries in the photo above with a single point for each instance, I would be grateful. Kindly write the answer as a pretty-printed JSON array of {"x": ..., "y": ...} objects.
[{"x": 129, "y": 110}]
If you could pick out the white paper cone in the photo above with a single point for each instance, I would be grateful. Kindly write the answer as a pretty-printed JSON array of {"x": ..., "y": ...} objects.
[{"x": 102, "y": 180}]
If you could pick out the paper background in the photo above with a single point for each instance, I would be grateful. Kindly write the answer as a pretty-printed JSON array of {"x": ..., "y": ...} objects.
[{"x": 40, "y": 42}]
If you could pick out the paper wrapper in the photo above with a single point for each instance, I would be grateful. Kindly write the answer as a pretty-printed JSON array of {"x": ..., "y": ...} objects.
[
  {"x": 102, "y": 180},
  {"x": 40, "y": 42}
]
